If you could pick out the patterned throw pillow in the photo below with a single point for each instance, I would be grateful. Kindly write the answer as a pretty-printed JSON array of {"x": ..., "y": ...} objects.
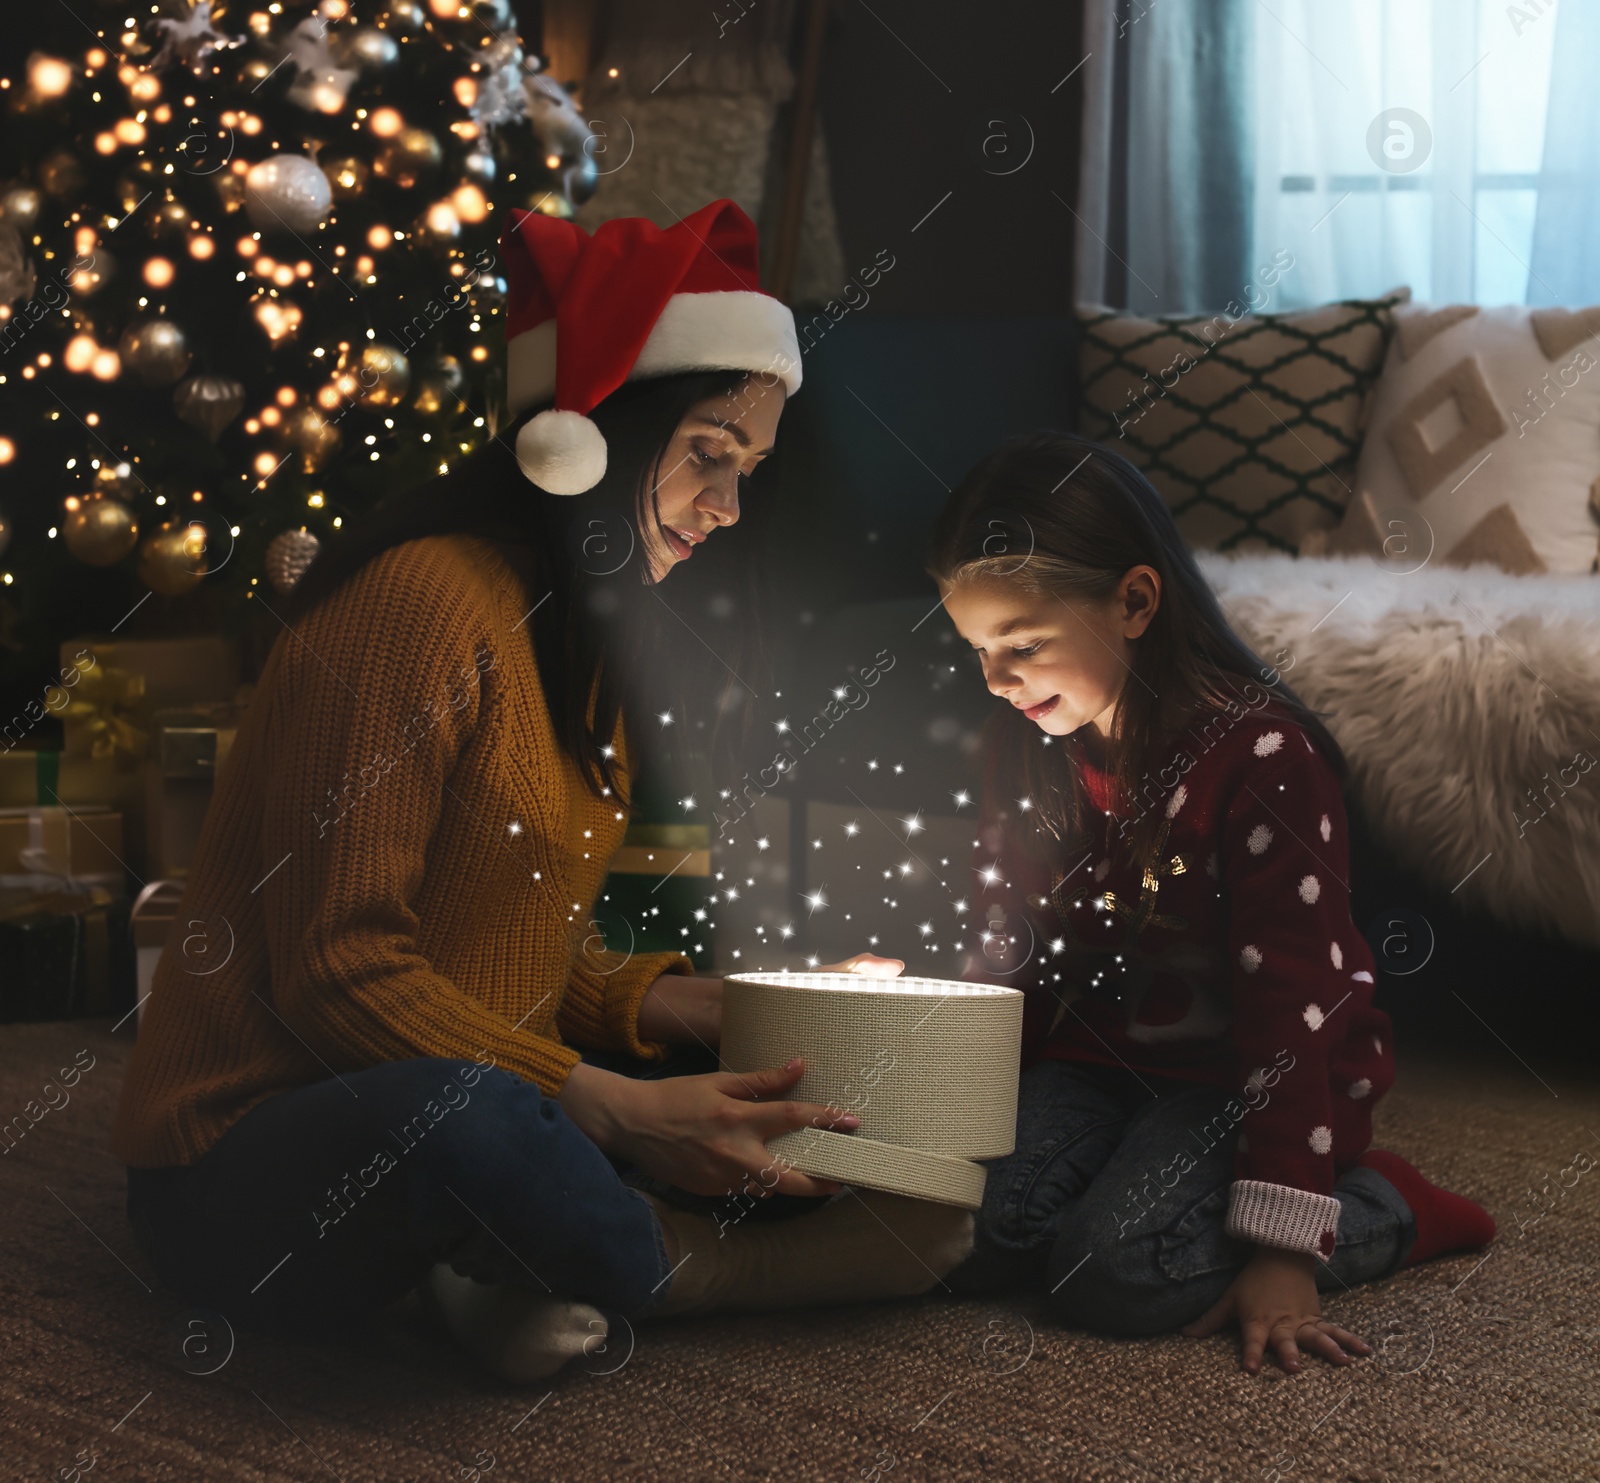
[
  {"x": 1483, "y": 443},
  {"x": 1248, "y": 426}
]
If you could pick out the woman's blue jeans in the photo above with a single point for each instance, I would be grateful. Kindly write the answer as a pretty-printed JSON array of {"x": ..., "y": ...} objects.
[
  {"x": 1080, "y": 1209},
  {"x": 333, "y": 1200}
]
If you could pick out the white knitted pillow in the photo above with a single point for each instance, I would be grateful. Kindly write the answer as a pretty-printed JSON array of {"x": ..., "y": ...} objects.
[
  {"x": 929, "y": 1065},
  {"x": 1482, "y": 445}
]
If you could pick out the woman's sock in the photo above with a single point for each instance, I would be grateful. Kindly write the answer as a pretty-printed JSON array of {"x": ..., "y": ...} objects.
[
  {"x": 863, "y": 1247},
  {"x": 1445, "y": 1222},
  {"x": 519, "y": 1334}
]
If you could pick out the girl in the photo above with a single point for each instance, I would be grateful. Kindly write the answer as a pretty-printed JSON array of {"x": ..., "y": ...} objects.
[
  {"x": 1164, "y": 868},
  {"x": 385, "y": 1047}
]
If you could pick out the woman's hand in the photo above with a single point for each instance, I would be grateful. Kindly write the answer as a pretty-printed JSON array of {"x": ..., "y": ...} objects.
[
  {"x": 1275, "y": 1302},
  {"x": 706, "y": 1134},
  {"x": 680, "y": 1009}
]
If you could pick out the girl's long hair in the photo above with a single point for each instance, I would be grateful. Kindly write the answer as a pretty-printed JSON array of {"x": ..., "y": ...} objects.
[
  {"x": 596, "y": 623},
  {"x": 1060, "y": 515}
]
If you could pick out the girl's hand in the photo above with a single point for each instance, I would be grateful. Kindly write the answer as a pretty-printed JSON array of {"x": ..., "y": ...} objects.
[
  {"x": 706, "y": 1134},
  {"x": 868, "y": 965},
  {"x": 1275, "y": 1302}
]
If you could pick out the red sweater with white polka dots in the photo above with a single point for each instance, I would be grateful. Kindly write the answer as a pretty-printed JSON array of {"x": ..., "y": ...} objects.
[{"x": 1227, "y": 956}]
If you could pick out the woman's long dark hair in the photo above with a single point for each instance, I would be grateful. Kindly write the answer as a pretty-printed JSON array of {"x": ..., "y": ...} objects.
[
  {"x": 595, "y": 621},
  {"x": 1057, "y": 514}
]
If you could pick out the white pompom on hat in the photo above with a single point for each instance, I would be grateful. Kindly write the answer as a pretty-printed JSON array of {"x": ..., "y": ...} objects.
[{"x": 586, "y": 313}]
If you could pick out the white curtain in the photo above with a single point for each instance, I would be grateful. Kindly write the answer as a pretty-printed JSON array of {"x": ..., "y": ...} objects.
[
  {"x": 1452, "y": 145},
  {"x": 1565, "y": 264}
]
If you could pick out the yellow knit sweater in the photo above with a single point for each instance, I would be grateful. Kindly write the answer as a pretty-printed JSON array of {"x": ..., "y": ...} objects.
[{"x": 399, "y": 861}]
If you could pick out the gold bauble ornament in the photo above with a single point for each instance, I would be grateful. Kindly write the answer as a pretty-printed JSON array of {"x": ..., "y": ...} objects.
[
  {"x": 173, "y": 560},
  {"x": 377, "y": 378},
  {"x": 170, "y": 219},
  {"x": 347, "y": 175},
  {"x": 115, "y": 481},
  {"x": 19, "y": 205},
  {"x": 550, "y": 203},
  {"x": 438, "y": 387},
  {"x": 209, "y": 403},
  {"x": 92, "y": 276},
  {"x": 406, "y": 158},
  {"x": 134, "y": 185},
  {"x": 289, "y": 553},
  {"x": 100, "y": 531},
  {"x": 155, "y": 350},
  {"x": 439, "y": 225},
  {"x": 61, "y": 174},
  {"x": 312, "y": 437},
  {"x": 230, "y": 189}
]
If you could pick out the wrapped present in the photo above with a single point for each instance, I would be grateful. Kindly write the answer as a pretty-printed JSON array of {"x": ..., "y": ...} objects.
[
  {"x": 46, "y": 847},
  {"x": 115, "y": 685},
  {"x": 151, "y": 916},
  {"x": 64, "y": 954},
  {"x": 44, "y": 777},
  {"x": 191, "y": 745}
]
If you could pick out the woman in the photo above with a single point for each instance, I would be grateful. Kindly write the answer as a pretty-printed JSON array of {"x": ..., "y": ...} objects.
[{"x": 361, "y": 1067}]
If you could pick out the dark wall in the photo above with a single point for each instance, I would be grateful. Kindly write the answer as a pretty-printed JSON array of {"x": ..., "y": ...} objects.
[{"x": 927, "y": 97}]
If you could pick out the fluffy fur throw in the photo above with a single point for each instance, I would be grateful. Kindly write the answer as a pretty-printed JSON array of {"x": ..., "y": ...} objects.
[{"x": 1468, "y": 705}]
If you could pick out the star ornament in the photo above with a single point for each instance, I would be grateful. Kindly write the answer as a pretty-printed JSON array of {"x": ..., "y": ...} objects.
[{"x": 191, "y": 40}]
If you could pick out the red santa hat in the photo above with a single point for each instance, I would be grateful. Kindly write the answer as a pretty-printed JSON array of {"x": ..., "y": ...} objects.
[{"x": 586, "y": 313}]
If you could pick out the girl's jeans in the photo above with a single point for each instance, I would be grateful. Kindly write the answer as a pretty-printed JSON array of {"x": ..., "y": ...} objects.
[
  {"x": 332, "y": 1200},
  {"x": 1088, "y": 1207}
]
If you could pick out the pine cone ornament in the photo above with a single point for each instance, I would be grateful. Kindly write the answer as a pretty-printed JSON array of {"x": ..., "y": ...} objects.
[{"x": 288, "y": 555}]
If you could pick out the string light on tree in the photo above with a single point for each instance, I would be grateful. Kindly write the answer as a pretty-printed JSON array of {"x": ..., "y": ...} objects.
[{"x": 253, "y": 210}]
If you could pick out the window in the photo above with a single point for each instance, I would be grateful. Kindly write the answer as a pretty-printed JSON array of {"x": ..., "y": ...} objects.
[{"x": 1401, "y": 142}]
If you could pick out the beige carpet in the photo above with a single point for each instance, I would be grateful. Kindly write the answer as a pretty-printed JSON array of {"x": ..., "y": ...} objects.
[{"x": 1485, "y": 1370}]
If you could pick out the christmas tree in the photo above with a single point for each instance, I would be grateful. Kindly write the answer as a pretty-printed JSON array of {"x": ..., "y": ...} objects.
[{"x": 250, "y": 284}]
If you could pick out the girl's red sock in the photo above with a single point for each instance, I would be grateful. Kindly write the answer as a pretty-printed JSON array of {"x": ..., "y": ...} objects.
[{"x": 1445, "y": 1222}]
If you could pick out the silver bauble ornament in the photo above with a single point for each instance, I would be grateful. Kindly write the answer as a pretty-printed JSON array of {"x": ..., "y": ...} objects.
[
  {"x": 155, "y": 350},
  {"x": 287, "y": 193},
  {"x": 289, "y": 553},
  {"x": 209, "y": 403},
  {"x": 19, "y": 205},
  {"x": 478, "y": 167},
  {"x": 370, "y": 49},
  {"x": 17, "y": 278}
]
